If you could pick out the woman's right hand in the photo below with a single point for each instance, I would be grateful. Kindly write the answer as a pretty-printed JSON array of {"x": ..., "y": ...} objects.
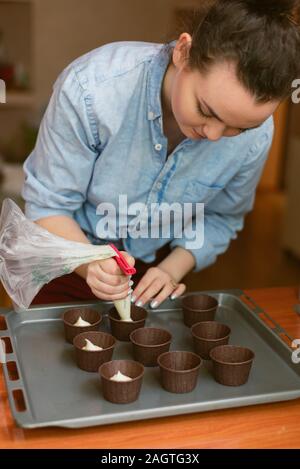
[{"x": 107, "y": 281}]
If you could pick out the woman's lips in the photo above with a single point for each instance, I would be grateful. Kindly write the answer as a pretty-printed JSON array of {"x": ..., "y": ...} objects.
[{"x": 198, "y": 135}]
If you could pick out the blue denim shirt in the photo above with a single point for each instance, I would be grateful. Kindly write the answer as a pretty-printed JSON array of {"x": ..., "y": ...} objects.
[{"x": 102, "y": 136}]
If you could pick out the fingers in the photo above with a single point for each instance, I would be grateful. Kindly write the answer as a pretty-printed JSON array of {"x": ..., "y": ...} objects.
[
  {"x": 178, "y": 291},
  {"x": 109, "y": 290},
  {"x": 108, "y": 272},
  {"x": 96, "y": 277},
  {"x": 98, "y": 282},
  {"x": 105, "y": 285},
  {"x": 128, "y": 258},
  {"x": 156, "y": 285},
  {"x": 101, "y": 295},
  {"x": 167, "y": 291},
  {"x": 162, "y": 295},
  {"x": 142, "y": 286},
  {"x": 111, "y": 267},
  {"x": 152, "y": 289},
  {"x": 108, "y": 282}
]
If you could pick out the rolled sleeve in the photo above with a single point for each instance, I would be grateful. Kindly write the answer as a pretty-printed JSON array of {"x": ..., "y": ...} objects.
[
  {"x": 58, "y": 171},
  {"x": 224, "y": 215}
]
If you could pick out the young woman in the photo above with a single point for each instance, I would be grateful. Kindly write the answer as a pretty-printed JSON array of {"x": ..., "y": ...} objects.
[{"x": 186, "y": 122}]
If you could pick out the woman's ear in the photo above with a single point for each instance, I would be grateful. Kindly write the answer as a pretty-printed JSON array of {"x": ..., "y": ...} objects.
[{"x": 181, "y": 50}]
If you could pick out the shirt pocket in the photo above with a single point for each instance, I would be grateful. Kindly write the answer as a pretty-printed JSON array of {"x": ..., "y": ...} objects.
[{"x": 196, "y": 191}]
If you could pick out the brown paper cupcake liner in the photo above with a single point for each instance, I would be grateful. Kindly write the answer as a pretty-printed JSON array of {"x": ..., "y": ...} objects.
[
  {"x": 198, "y": 308},
  {"x": 122, "y": 329},
  {"x": 179, "y": 371},
  {"x": 92, "y": 360},
  {"x": 121, "y": 392},
  {"x": 208, "y": 335},
  {"x": 70, "y": 317},
  {"x": 148, "y": 343},
  {"x": 231, "y": 364}
]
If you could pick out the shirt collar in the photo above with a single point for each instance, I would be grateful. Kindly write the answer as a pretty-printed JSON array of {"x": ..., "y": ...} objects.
[{"x": 156, "y": 74}]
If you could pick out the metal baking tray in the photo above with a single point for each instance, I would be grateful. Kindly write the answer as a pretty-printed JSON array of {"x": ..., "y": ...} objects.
[{"x": 40, "y": 367}]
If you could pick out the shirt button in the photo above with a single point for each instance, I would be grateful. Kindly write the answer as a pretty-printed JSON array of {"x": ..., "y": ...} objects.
[
  {"x": 159, "y": 185},
  {"x": 158, "y": 147},
  {"x": 151, "y": 115}
]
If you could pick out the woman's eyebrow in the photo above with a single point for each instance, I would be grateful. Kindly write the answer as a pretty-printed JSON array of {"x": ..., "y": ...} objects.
[{"x": 212, "y": 112}]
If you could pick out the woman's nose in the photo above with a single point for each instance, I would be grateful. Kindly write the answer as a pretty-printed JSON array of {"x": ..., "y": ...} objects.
[{"x": 214, "y": 131}]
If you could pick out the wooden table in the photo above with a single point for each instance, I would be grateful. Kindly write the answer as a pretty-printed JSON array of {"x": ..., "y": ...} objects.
[{"x": 262, "y": 426}]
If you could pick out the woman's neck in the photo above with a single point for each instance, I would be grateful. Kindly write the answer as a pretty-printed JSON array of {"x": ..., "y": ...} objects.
[
  {"x": 170, "y": 126},
  {"x": 166, "y": 92}
]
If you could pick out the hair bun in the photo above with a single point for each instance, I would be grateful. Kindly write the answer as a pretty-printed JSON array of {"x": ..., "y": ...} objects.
[{"x": 274, "y": 7}]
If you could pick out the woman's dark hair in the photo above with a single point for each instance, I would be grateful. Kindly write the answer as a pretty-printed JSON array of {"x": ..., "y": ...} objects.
[{"x": 261, "y": 36}]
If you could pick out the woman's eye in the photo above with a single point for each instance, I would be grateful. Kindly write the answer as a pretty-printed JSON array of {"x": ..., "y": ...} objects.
[{"x": 201, "y": 112}]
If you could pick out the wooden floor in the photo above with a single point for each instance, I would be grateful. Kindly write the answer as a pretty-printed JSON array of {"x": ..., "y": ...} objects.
[{"x": 254, "y": 260}]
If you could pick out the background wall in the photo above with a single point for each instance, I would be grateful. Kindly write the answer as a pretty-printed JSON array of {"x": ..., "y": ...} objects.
[
  {"x": 83, "y": 25},
  {"x": 44, "y": 36}
]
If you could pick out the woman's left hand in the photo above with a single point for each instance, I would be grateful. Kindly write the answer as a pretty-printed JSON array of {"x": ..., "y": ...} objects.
[{"x": 157, "y": 285}]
